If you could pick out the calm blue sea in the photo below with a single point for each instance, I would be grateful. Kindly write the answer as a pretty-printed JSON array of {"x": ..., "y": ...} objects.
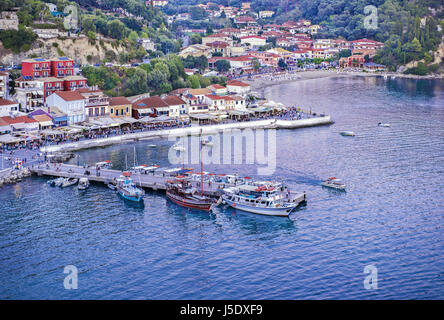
[{"x": 391, "y": 216}]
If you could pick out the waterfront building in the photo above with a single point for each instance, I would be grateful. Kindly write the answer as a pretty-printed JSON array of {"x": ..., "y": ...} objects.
[
  {"x": 219, "y": 103},
  {"x": 218, "y": 89},
  {"x": 150, "y": 107},
  {"x": 8, "y": 107},
  {"x": 29, "y": 93},
  {"x": 120, "y": 107},
  {"x": 177, "y": 106},
  {"x": 95, "y": 101},
  {"x": 70, "y": 102},
  {"x": 238, "y": 87},
  {"x": 20, "y": 123}
]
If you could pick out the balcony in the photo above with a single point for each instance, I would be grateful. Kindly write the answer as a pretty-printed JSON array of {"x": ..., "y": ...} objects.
[{"x": 96, "y": 102}]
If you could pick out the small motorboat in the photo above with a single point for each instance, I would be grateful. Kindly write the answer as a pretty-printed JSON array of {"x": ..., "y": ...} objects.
[
  {"x": 83, "y": 184},
  {"x": 152, "y": 146},
  {"x": 334, "y": 183},
  {"x": 55, "y": 182},
  {"x": 112, "y": 185},
  {"x": 347, "y": 133},
  {"x": 67, "y": 182},
  {"x": 380, "y": 124}
]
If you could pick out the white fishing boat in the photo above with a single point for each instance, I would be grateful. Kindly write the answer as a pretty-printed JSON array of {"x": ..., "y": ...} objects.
[
  {"x": 380, "y": 124},
  {"x": 83, "y": 184},
  {"x": 334, "y": 183},
  {"x": 347, "y": 133},
  {"x": 67, "y": 182},
  {"x": 258, "y": 199},
  {"x": 128, "y": 190}
]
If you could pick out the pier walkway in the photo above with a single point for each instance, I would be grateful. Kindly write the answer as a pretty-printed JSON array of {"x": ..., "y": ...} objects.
[{"x": 154, "y": 181}]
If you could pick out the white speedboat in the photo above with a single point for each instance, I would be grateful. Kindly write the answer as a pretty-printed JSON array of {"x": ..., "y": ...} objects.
[
  {"x": 83, "y": 184},
  {"x": 261, "y": 200},
  {"x": 56, "y": 182},
  {"x": 69, "y": 182},
  {"x": 334, "y": 183},
  {"x": 347, "y": 133},
  {"x": 152, "y": 146},
  {"x": 380, "y": 124}
]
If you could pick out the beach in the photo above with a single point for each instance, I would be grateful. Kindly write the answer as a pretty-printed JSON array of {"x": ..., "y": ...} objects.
[{"x": 259, "y": 83}]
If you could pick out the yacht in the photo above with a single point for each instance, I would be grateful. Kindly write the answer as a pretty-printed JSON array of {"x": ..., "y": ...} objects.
[
  {"x": 265, "y": 200},
  {"x": 380, "y": 124},
  {"x": 127, "y": 189},
  {"x": 334, "y": 183}
]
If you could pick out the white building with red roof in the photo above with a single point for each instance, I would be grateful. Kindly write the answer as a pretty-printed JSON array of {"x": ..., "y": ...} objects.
[
  {"x": 238, "y": 87},
  {"x": 72, "y": 103},
  {"x": 8, "y": 107},
  {"x": 256, "y": 41}
]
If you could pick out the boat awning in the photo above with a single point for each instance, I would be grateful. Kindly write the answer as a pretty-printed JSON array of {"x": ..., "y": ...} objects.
[{"x": 8, "y": 138}]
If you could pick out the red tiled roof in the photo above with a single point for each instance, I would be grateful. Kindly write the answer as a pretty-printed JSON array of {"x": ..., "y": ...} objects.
[
  {"x": 237, "y": 83},
  {"x": 4, "y": 102},
  {"x": 20, "y": 119},
  {"x": 173, "y": 100},
  {"x": 256, "y": 37},
  {"x": 69, "y": 95},
  {"x": 118, "y": 101},
  {"x": 217, "y": 86},
  {"x": 151, "y": 102}
]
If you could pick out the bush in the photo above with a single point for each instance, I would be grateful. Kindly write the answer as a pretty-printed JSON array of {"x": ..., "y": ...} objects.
[{"x": 17, "y": 40}]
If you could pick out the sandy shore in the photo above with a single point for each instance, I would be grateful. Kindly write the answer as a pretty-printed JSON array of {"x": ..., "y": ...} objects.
[{"x": 258, "y": 85}]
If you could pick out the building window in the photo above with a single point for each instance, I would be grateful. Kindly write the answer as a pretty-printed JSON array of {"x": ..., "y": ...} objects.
[{"x": 112, "y": 111}]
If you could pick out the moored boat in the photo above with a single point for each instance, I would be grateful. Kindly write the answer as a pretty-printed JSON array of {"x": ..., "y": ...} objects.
[
  {"x": 262, "y": 200},
  {"x": 83, "y": 184},
  {"x": 334, "y": 183},
  {"x": 181, "y": 192},
  {"x": 128, "y": 190},
  {"x": 67, "y": 182},
  {"x": 347, "y": 133}
]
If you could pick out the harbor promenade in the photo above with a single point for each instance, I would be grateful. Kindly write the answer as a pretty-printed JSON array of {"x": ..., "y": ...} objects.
[{"x": 193, "y": 130}]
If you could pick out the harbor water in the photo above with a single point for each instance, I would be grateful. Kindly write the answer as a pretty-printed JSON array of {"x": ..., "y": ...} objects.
[{"x": 391, "y": 215}]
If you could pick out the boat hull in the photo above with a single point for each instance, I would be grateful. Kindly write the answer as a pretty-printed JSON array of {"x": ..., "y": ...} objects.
[
  {"x": 279, "y": 212},
  {"x": 192, "y": 205},
  {"x": 333, "y": 186},
  {"x": 130, "y": 198}
]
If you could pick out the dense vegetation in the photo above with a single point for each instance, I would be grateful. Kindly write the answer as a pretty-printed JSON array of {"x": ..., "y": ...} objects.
[{"x": 158, "y": 76}]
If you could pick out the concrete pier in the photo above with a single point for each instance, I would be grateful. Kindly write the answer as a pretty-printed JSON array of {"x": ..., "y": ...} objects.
[
  {"x": 155, "y": 181},
  {"x": 193, "y": 130}
]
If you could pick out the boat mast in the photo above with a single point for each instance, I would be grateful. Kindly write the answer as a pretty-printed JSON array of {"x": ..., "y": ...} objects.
[
  {"x": 134, "y": 156},
  {"x": 201, "y": 165}
]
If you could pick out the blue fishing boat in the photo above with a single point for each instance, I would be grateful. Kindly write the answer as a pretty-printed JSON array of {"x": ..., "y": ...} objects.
[{"x": 128, "y": 190}]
